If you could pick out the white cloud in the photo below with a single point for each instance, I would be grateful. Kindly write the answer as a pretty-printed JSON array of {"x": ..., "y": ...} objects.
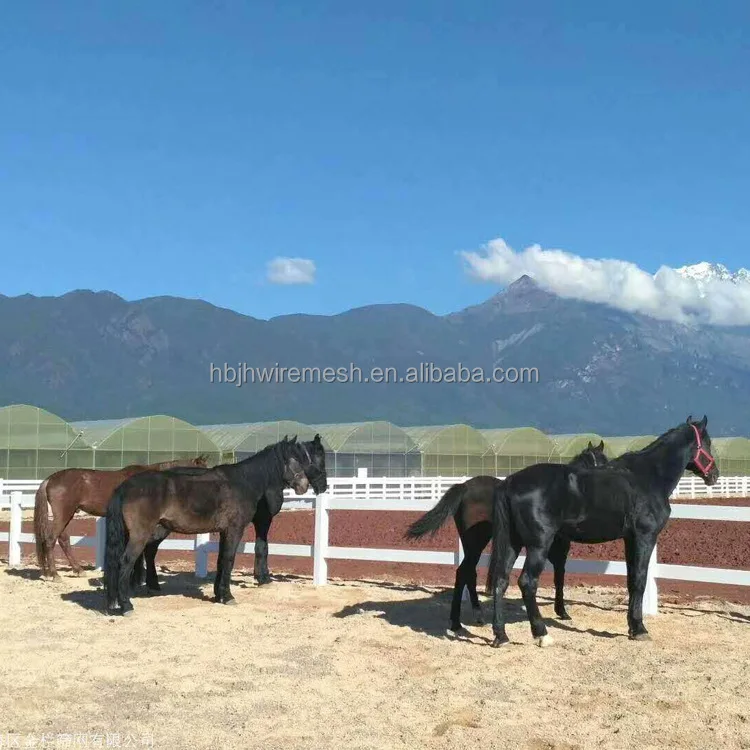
[
  {"x": 291, "y": 271},
  {"x": 667, "y": 294}
]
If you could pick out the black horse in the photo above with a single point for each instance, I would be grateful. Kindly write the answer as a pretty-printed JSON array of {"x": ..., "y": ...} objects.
[
  {"x": 223, "y": 499},
  {"x": 628, "y": 499},
  {"x": 470, "y": 504},
  {"x": 268, "y": 506}
]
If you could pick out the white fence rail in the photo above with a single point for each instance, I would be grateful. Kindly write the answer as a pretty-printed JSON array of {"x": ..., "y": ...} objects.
[{"x": 405, "y": 494}]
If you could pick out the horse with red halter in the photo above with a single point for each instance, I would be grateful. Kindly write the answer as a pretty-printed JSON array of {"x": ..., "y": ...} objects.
[
  {"x": 627, "y": 499},
  {"x": 89, "y": 490}
]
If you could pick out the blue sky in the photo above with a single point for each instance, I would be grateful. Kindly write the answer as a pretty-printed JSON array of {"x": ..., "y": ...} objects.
[{"x": 177, "y": 148}]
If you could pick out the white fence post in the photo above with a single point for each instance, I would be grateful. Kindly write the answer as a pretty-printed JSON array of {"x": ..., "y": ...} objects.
[
  {"x": 14, "y": 537},
  {"x": 201, "y": 555},
  {"x": 651, "y": 594},
  {"x": 320, "y": 544},
  {"x": 101, "y": 541}
]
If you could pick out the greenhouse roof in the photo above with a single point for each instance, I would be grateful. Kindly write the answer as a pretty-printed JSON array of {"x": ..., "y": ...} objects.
[
  {"x": 254, "y": 436},
  {"x": 156, "y": 433},
  {"x": 367, "y": 437},
  {"x": 731, "y": 447},
  {"x": 616, "y": 446},
  {"x": 455, "y": 439},
  {"x": 571, "y": 445},
  {"x": 520, "y": 441},
  {"x": 30, "y": 427}
]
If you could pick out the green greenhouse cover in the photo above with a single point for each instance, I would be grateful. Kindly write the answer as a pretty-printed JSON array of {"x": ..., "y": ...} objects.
[
  {"x": 159, "y": 433},
  {"x": 521, "y": 441},
  {"x": 366, "y": 437},
  {"x": 251, "y": 437},
  {"x": 458, "y": 439}
]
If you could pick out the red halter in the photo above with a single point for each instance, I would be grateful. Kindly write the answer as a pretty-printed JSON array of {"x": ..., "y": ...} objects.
[{"x": 702, "y": 455}]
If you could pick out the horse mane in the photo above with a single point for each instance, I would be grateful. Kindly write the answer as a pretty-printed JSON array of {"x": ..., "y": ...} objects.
[
  {"x": 201, "y": 460},
  {"x": 652, "y": 447},
  {"x": 269, "y": 462}
]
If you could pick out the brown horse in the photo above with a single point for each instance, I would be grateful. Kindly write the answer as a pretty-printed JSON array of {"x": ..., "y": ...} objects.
[{"x": 88, "y": 490}]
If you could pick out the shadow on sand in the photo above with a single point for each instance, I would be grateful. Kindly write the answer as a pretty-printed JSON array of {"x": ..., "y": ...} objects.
[{"x": 430, "y": 615}]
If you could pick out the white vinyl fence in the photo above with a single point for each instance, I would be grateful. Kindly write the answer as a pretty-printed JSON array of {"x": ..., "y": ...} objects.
[{"x": 407, "y": 494}]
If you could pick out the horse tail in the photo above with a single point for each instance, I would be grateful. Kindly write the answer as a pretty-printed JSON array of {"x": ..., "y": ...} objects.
[
  {"x": 501, "y": 533},
  {"x": 437, "y": 516},
  {"x": 42, "y": 528},
  {"x": 117, "y": 539}
]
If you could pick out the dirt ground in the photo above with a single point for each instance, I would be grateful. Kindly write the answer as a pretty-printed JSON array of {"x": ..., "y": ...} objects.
[{"x": 365, "y": 665}]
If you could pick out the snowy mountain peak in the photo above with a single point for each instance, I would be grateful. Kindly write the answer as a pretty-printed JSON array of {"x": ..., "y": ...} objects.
[{"x": 707, "y": 272}]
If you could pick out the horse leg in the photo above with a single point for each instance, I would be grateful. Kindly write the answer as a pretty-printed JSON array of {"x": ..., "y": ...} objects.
[
  {"x": 638, "y": 549},
  {"x": 132, "y": 552},
  {"x": 476, "y": 540},
  {"x": 558, "y": 556},
  {"x": 231, "y": 540},
  {"x": 219, "y": 561},
  {"x": 60, "y": 520},
  {"x": 136, "y": 577},
  {"x": 149, "y": 555},
  {"x": 502, "y": 579},
  {"x": 64, "y": 540},
  {"x": 528, "y": 582},
  {"x": 262, "y": 524},
  {"x": 473, "y": 541}
]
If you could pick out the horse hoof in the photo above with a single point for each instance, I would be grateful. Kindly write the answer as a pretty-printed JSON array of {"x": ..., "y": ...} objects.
[
  {"x": 564, "y": 616},
  {"x": 231, "y": 602},
  {"x": 498, "y": 642},
  {"x": 640, "y": 637},
  {"x": 128, "y": 613},
  {"x": 458, "y": 631},
  {"x": 544, "y": 641}
]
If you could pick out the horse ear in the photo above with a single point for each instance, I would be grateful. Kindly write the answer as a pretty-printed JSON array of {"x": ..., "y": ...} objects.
[
  {"x": 294, "y": 439},
  {"x": 589, "y": 446},
  {"x": 316, "y": 439},
  {"x": 689, "y": 419},
  {"x": 601, "y": 446},
  {"x": 704, "y": 422}
]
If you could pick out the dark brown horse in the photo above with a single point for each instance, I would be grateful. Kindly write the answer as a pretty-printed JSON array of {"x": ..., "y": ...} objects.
[
  {"x": 70, "y": 490},
  {"x": 195, "y": 501},
  {"x": 268, "y": 507}
]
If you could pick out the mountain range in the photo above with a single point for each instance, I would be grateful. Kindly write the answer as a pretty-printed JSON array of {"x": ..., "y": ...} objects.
[{"x": 94, "y": 355}]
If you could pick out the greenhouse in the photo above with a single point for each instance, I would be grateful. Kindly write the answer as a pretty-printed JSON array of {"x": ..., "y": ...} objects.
[
  {"x": 35, "y": 443},
  {"x": 569, "y": 446},
  {"x": 616, "y": 446},
  {"x": 238, "y": 441},
  {"x": 452, "y": 450},
  {"x": 382, "y": 448},
  {"x": 145, "y": 440},
  {"x": 517, "y": 447},
  {"x": 732, "y": 456}
]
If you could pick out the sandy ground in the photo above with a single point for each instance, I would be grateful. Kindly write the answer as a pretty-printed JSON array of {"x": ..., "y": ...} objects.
[{"x": 361, "y": 666}]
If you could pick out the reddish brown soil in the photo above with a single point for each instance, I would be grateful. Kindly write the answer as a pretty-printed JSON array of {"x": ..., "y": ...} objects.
[{"x": 720, "y": 544}]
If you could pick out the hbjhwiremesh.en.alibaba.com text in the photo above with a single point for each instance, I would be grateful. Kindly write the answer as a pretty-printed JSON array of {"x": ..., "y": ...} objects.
[{"x": 425, "y": 372}]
